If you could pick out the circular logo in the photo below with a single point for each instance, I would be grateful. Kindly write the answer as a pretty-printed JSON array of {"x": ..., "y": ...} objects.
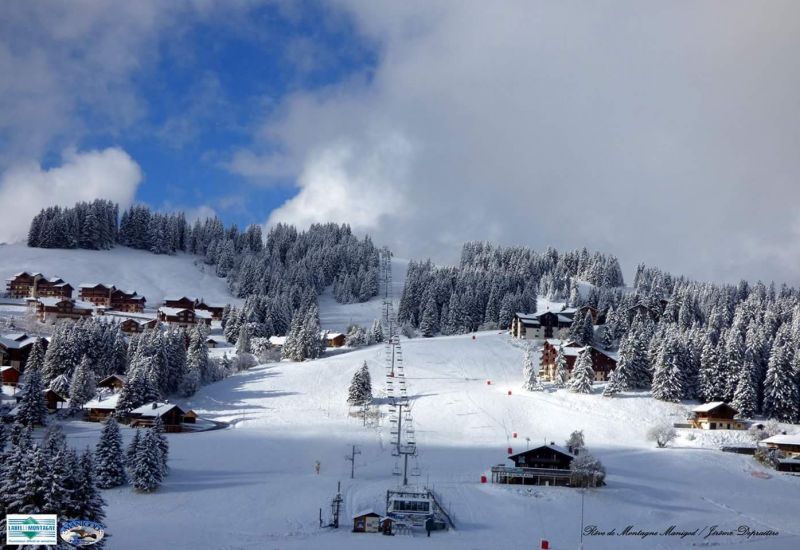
[{"x": 81, "y": 532}]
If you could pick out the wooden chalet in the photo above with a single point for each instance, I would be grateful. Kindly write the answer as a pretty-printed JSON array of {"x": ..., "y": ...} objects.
[
  {"x": 15, "y": 349},
  {"x": 277, "y": 341},
  {"x": 50, "y": 309},
  {"x": 543, "y": 465},
  {"x": 9, "y": 375},
  {"x": 547, "y": 324},
  {"x": 215, "y": 310},
  {"x": 716, "y": 416},
  {"x": 21, "y": 285},
  {"x": 101, "y": 408},
  {"x": 789, "y": 451},
  {"x": 115, "y": 382},
  {"x": 180, "y": 303},
  {"x": 190, "y": 418},
  {"x": 97, "y": 293},
  {"x": 366, "y": 521},
  {"x": 135, "y": 326},
  {"x": 171, "y": 415},
  {"x": 334, "y": 339},
  {"x": 54, "y": 400},
  {"x": 55, "y": 287},
  {"x": 603, "y": 362},
  {"x": 183, "y": 317},
  {"x": 130, "y": 302}
]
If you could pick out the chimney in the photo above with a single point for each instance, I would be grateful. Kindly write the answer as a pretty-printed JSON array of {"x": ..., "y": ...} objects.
[{"x": 552, "y": 443}]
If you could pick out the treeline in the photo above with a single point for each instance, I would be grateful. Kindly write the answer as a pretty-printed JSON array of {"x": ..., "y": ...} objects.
[
  {"x": 91, "y": 225},
  {"x": 491, "y": 283},
  {"x": 289, "y": 262},
  {"x": 688, "y": 340}
]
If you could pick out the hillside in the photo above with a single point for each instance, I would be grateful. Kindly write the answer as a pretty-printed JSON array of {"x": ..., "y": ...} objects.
[
  {"x": 254, "y": 485},
  {"x": 151, "y": 275}
]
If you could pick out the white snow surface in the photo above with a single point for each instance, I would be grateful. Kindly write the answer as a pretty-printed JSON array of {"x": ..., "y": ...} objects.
[
  {"x": 153, "y": 276},
  {"x": 254, "y": 485}
]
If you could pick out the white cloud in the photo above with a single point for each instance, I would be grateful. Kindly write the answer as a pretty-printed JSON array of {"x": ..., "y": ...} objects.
[
  {"x": 82, "y": 176},
  {"x": 665, "y": 133}
]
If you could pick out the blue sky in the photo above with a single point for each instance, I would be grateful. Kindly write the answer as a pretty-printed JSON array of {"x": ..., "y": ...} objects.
[{"x": 662, "y": 132}]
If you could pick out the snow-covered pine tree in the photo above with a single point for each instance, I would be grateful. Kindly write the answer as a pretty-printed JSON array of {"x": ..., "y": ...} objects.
[
  {"x": 428, "y": 326},
  {"x": 613, "y": 386},
  {"x": 82, "y": 387},
  {"x": 197, "y": 356},
  {"x": 530, "y": 373},
  {"x": 90, "y": 501},
  {"x": 133, "y": 448},
  {"x": 109, "y": 457},
  {"x": 667, "y": 378},
  {"x": 360, "y": 391},
  {"x": 582, "y": 373},
  {"x": 191, "y": 380},
  {"x": 32, "y": 410},
  {"x": 243, "y": 343},
  {"x": 163, "y": 442},
  {"x": 561, "y": 375},
  {"x": 376, "y": 332},
  {"x": 709, "y": 387},
  {"x": 781, "y": 399},
  {"x": 36, "y": 357},
  {"x": 147, "y": 471}
]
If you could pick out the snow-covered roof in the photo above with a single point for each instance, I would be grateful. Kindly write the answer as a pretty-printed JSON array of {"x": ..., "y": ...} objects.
[
  {"x": 277, "y": 340},
  {"x": 178, "y": 298},
  {"x": 564, "y": 318},
  {"x": 121, "y": 377},
  {"x": 80, "y": 304},
  {"x": 105, "y": 402},
  {"x": 332, "y": 335},
  {"x": 17, "y": 336},
  {"x": 51, "y": 301},
  {"x": 551, "y": 446},
  {"x": 708, "y": 406},
  {"x": 8, "y": 343},
  {"x": 202, "y": 314},
  {"x": 173, "y": 311},
  {"x": 786, "y": 439},
  {"x": 365, "y": 512},
  {"x": 152, "y": 410},
  {"x": 93, "y": 285},
  {"x": 4, "y": 369},
  {"x": 21, "y": 273}
]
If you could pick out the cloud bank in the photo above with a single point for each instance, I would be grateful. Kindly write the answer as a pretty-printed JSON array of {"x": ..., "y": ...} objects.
[
  {"x": 82, "y": 176},
  {"x": 662, "y": 132}
]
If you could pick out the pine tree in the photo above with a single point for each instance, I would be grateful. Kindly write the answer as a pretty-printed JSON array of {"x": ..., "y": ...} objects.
[
  {"x": 36, "y": 357},
  {"x": 147, "y": 472},
  {"x": 133, "y": 448},
  {"x": 163, "y": 442},
  {"x": 781, "y": 399},
  {"x": 582, "y": 373},
  {"x": 709, "y": 386},
  {"x": 530, "y": 374},
  {"x": 360, "y": 391},
  {"x": 32, "y": 409},
  {"x": 561, "y": 377},
  {"x": 745, "y": 398},
  {"x": 428, "y": 325},
  {"x": 82, "y": 387},
  {"x": 667, "y": 376},
  {"x": 90, "y": 502},
  {"x": 243, "y": 343},
  {"x": 109, "y": 457},
  {"x": 376, "y": 333},
  {"x": 613, "y": 386}
]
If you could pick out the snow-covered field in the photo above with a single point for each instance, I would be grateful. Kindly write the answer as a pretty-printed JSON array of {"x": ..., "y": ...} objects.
[
  {"x": 254, "y": 486},
  {"x": 151, "y": 275}
]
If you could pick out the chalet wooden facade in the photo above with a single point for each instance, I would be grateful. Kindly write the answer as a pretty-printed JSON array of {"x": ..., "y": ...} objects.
[
  {"x": 9, "y": 375},
  {"x": 53, "y": 400},
  {"x": 51, "y": 309},
  {"x": 113, "y": 383},
  {"x": 547, "y": 324},
  {"x": 215, "y": 310},
  {"x": 543, "y": 465},
  {"x": 334, "y": 339},
  {"x": 171, "y": 415},
  {"x": 716, "y": 416},
  {"x": 54, "y": 287},
  {"x": 184, "y": 317},
  {"x": 788, "y": 444},
  {"x": 101, "y": 408},
  {"x": 129, "y": 302},
  {"x": 603, "y": 362},
  {"x": 21, "y": 284},
  {"x": 15, "y": 349},
  {"x": 97, "y": 293},
  {"x": 135, "y": 326},
  {"x": 180, "y": 302}
]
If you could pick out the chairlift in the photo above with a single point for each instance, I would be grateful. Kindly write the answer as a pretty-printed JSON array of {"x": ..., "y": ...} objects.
[
  {"x": 395, "y": 451},
  {"x": 396, "y": 471},
  {"x": 415, "y": 471}
]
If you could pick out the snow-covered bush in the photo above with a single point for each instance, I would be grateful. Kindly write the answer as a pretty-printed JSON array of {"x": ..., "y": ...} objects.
[
  {"x": 408, "y": 330},
  {"x": 576, "y": 443},
  {"x": 356, "y": 336},
  {"x": 587, "y": 471},
  {"x": 662, "y": 434},
  {"x": 765, "y": 430}
]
